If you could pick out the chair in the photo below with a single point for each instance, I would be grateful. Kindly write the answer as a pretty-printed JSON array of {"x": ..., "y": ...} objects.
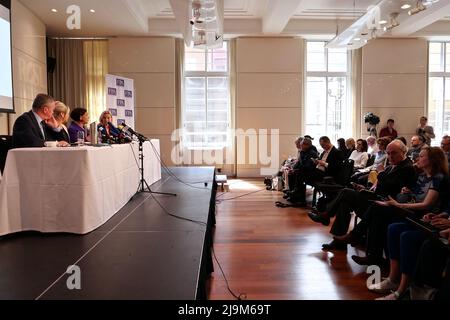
[
  {"x": 332, "y": 185},
  {"x": 370, "y": 161},
  {"x": 5, "y": 146}
]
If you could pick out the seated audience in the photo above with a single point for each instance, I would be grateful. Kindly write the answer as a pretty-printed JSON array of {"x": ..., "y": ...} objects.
[
  {"x": 351, "y": 146},
  {"x": 328, "y": 164},
  {"x": 432, "y": 273},
  {"x": 80, "y": 118},
  {"x": 342, "y": 147},
  {"x": 372, "y": 145},
  {"x": 378, "y": 165},
  {"x": 32, "y": 129},
  {"x": 423, "y": 197},
  {"x": 389, "y": 130},
  {"x": 417, "y": 143},
  {"x": 404, "y": 242},
  {"x": 398, "y": 174},
  {"x": 360, "y": 155}
]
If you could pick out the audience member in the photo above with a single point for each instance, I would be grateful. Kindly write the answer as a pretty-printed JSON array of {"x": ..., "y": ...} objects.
[
  {"x": 360, "y": 155},
  {"x": 351, "y": 146},
  {"x": 389, "y": 130},
  {"x": 417, "y": 143},
  {"x": 426, "y": 131},
  {"x": 372, "y": 145}
]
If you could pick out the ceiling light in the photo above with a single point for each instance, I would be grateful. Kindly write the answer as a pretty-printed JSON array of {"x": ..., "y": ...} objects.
[
  {"x": 393, "y": 22},
  {"x": 357, "y": 39},
  {"x": 405, "y": 6},
  {"x": 54, "y": 10},
  {"x": 92, "y": 10},
  {"x": 382, "y": 22},
  {"x": 419, "y": 7}
]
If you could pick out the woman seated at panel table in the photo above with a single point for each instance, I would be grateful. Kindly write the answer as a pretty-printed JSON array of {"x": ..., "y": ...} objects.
[
  {"x": 61, "y": 115},
  {"x": 80, "y": 118},
  {"x": 106, "y": 129}
]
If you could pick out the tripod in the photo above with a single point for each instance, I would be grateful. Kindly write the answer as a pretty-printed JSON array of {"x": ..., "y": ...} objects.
[{"x": 143, "y": 185}]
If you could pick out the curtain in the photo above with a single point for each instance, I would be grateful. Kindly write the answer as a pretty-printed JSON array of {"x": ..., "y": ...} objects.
[
  {"x": 356, "y": 91},
  {"x": 96, "y": 68},
  {"x": 67, "y": 82}
]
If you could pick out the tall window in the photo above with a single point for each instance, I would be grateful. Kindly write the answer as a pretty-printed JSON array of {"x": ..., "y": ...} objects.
[
  {"x": 206, "y": 108},
  {"x": 439, "y": 89},
  {"x": 328, "y": 100}
]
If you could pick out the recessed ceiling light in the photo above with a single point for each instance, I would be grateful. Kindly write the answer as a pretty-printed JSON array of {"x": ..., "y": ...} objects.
[
  {"x": 382, "y": 22},
  {"x": 54, "y": 10},
  {"x": 357, "y": 39},
  {"x": 92, "y": 10},
  {"x": 405, "y": 6}
]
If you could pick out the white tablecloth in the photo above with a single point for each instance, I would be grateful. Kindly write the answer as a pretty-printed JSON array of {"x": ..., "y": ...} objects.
[{"x": 73, "y": 190}]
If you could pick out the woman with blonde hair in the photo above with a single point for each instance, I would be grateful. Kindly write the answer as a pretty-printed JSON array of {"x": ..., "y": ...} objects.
[
  {"x": 106, "y": 129},
  {"x": 61, "y": 115}
]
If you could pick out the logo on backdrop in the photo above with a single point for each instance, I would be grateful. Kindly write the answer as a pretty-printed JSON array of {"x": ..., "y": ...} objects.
[
  {"x": 120, "y": 121},
  {"x": 128, "y": 94},
  {"x": 112, "y": 91},
  {"x": 120, "y": 82},
  {"x": 113, "y": 112},
  {"x": 128, "y": 113},
  {"x": 120, "y": 103}
]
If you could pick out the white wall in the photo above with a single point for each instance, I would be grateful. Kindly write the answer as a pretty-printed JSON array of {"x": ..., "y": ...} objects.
[
  {"x": 151, "y": 63},
  {"x": 29, "y": 61},
  {"x": 394, "y": 83}
]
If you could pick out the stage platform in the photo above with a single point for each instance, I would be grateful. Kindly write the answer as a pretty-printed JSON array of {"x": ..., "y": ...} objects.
[{"x": 140, "y": 253}]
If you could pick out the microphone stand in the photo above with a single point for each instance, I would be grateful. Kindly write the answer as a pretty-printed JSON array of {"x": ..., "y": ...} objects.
[{"x": 143, "y": 185}]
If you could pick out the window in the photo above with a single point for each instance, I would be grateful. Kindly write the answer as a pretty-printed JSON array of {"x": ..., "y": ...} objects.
[
  {"x": 328, "y": 108},
  {"x": 439, "y": 89},
  {"x": 206, "y": 107}
]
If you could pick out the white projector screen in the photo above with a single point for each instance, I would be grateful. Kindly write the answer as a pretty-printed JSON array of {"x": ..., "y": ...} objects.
[{"x": 6, "y": 83}]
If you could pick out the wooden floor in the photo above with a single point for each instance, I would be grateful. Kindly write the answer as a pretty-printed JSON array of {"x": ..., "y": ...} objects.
[{"x": 272, "y": 253}]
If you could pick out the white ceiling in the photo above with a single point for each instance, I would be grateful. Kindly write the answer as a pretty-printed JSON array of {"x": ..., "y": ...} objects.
[{"x": 242, "y": 17}]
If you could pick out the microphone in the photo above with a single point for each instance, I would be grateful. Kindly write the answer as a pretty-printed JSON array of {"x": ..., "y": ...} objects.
[{"x": 129, "y": 130}]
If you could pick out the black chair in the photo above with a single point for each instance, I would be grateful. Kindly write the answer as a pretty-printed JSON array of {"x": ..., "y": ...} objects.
[
  {"x": 5, "y": 146},
  {"x": 370, "y": 161},
  {"x": 332, "y": 185}
]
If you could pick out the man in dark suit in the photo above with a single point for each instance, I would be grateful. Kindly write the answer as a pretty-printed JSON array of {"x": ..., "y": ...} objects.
[
  {"x": 328, "y": 164},
  {"x": 32, "y": 129}
]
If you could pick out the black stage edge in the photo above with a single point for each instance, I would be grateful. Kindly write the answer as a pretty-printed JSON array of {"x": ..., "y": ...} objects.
[{"x": 141, "y": 253}]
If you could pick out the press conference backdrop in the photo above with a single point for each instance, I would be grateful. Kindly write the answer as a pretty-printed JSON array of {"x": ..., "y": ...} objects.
[
  {"x": 6, "y": 84},
  {"x": 120, "y": 99}
]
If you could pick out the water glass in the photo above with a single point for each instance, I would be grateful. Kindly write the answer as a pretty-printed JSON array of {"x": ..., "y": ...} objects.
[{"x": 80, "y": 138}]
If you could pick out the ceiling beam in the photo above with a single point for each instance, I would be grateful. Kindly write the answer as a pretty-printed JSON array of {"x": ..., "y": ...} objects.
[
  {"x": 137, "y": 11},
  {"x": 180, "y": 10},
  {"x": 278, "y": 14},
  {"x": 423, "y": 19}
]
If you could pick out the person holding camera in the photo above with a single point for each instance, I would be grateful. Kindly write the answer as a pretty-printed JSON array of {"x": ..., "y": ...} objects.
[{"x": 426, "y": 131}]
